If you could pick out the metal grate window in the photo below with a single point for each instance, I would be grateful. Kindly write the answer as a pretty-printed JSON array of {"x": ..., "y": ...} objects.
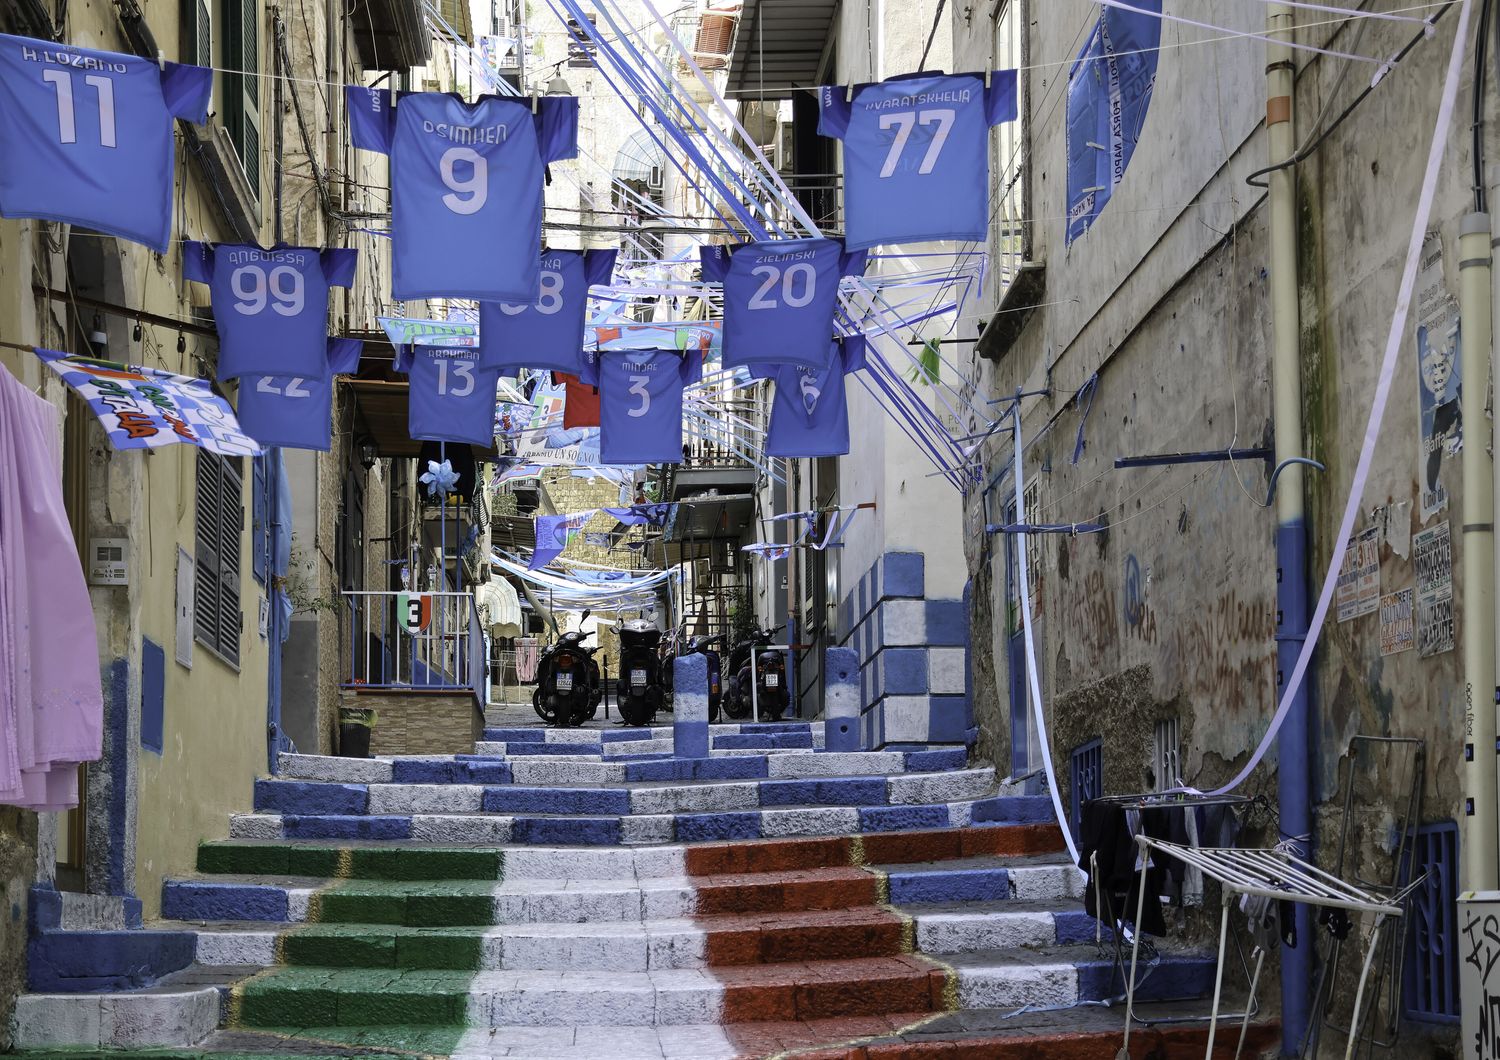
[
  {"x": 1085, "y": 778},
  {"x": 1166, "y": 769},
  {"x": 1430, "y": 991}
]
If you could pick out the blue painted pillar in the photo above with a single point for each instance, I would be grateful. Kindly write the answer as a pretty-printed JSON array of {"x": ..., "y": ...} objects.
[
  {"x": 841, "y": 700},
  {"x": 690, "y": 706},
  {"x": 1294, "y": 767}
]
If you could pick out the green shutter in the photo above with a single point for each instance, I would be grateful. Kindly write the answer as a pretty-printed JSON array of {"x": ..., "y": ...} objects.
[{"x": 241, "y": 104}]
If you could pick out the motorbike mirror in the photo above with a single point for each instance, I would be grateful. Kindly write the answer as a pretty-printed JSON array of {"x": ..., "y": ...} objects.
[{"x": 586, "y": 614}]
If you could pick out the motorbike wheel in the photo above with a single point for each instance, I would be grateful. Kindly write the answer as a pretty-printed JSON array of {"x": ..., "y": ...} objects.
[
  {"x": 635, "y": 711},
  {"x": 713, "y": 710},
  {"x": 538, "y": 704},
  {"x": 736, "y": 704}
]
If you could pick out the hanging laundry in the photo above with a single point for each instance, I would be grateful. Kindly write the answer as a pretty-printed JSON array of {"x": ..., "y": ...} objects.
[
  {"x": 142, "y": 408},
  {"x": 640, "y": 406},
  {"x": 270, "y": 306},
  {"x": 452, "y": 399},
  {"x": 809, "y": 413},
  {"x": 466, "y": 187},
  {"x": 581, "y": 403},
  {"x": 916, "y": 154},
  {"x": 548, "y": 332},
  {"x": 86, "y": 136},
  {"x": 296, "y": 411},
  {"x": 51, "y": 700},
  {"x": 780, "y": 297}
]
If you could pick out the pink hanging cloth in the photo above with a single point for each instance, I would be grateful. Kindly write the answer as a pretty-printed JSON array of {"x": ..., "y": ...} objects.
[{"x": 51, "y": 702}]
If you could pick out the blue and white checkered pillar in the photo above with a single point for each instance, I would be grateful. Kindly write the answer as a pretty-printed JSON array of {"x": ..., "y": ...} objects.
[
  {"x": 690, "y": 706},
  {"x": 841, "y": 700}
]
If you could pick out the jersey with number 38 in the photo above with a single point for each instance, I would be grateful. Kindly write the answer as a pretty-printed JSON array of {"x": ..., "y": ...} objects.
[
  {"x": 466, "y": 187},
  {"x": 452, "y": 397},
  {"x": 270, "y": 306},
  {"x": 779, "y": 298},
  {"x": 916, "y": 154},
  {"x": 86, "y": 136},
  {"x": 296, "y": 411},
  {"x": 546, "y": 334},
  {"x": 640, "y": 405}
]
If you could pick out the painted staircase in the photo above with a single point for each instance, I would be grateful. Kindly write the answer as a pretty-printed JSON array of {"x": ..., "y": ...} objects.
[{"x": 564, "y": 893}]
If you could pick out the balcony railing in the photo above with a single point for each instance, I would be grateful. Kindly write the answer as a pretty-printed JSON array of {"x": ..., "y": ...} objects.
[{"x": 414, "y": 641}]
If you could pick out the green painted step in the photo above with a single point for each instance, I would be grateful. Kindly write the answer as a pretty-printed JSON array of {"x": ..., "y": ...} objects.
[
  {"x": 420, "y": 904},
  {"x": 240, "y": 858},
  {"x": 351, "y": 997},
  {"x": 383, "y": 946}
]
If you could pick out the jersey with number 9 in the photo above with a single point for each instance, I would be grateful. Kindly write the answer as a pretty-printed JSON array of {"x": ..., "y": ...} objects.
[
  {"x": 779, "y": 298},
  {"x": 546, "y": 334},
  {"x": 86, "y": 136},
  {"x": 292, "y": 410},
  {"x": 640, "y": 406},
  {"x": 452, "y": 396},
  {"x": 270, "y": 306},
  {"x": 916, "y": 154},
  {"x": 466, "y": 187}
]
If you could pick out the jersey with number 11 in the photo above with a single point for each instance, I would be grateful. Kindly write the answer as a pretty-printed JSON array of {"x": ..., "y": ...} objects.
[{"x": 466, "y": 187}]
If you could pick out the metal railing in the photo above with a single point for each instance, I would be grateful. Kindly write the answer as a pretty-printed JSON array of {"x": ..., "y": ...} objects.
[{"x": 425, "y": 641}]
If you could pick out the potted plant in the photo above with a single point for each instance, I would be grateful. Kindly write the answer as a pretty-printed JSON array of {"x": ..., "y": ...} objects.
[{"x": 355, "y": 724}]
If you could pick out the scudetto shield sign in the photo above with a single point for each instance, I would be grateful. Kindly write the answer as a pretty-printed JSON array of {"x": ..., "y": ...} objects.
[{"x": 414, "y": 611}]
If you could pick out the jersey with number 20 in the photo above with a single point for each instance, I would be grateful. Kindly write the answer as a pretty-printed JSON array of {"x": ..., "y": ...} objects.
[
  {"x": 916, "y": 154},
  {"x": 86, "y": 136},
  {"x": 452, "y": 397},
  {"x": 466, "y": 187}
]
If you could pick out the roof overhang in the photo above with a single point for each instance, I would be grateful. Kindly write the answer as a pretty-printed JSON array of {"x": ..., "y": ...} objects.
[
  {"x": 780, "y": 47},
  {"x": 711, "y": 517},
  {"x": 391, "y": 35}
]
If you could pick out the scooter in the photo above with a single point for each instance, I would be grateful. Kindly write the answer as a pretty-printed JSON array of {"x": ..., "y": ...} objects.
[
  {"x": 638, "y": 691},
  {"x": 567, "y": 682},
  {"x": 704, "y": 646},
  {"x": 770, "y": 677}
]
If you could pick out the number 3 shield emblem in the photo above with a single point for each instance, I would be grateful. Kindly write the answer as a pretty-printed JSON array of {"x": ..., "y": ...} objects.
[{"x": 414, "y": 611}]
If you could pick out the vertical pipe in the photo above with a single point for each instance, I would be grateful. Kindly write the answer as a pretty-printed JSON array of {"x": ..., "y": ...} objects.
[
  {"x": 1481, "y": 866},
  {"x": 1294, "y": 767}
]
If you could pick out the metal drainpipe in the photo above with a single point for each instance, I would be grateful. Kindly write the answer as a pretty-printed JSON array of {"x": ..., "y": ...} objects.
[
  {"x": 1481, "y": 866},
  {"x": 1294, "y": 767}
]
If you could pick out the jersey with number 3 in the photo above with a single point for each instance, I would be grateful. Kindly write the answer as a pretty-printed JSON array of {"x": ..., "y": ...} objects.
[
  {"x": 452, "y": 397},
  {"x": 86, "y": 136},
  {"x": 640, "y": 406},
  {"x": 292, "y": 410},
  {"x": 270, "y": 306},
  {"x": 916, "y": 154},
  {"x": 466, "y": 187},
  {"x": 779, "y": 298},
  {"x": 546, "y": 334}
]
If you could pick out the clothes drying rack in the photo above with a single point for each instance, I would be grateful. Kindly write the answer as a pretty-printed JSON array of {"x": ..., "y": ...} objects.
[{"x": 1269, "y": 873}]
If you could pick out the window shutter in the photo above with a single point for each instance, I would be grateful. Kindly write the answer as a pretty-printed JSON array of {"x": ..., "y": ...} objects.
[
  {"x": 260, "y": 522},
  {"x": 231, "y": 530},
  {"x": 218, "y": 527},
  {"x": 197, "y": 42},
  {"x": 241, "y": 106},
  {"x": 206, "y": 590}
]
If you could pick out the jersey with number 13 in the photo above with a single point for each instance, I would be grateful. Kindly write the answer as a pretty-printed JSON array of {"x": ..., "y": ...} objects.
[
  {"x": 270, "y": 306},
  {"x": 466, "y": 187},
  {"x": 452, "y": 397}
]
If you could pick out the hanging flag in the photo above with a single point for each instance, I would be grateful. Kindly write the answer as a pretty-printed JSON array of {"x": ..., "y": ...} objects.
[
  {"x": 419, "y": 331},
  {"x": 546, "y": 334},
  {"x": 142, "y": 408},
  {"x": 543, "y": 439},
  {"x": 705, "y": 336},
  {"x": 86, "y": 136},
  {"x": 296, "y": 411},
  {"x": 466, "y": 187},
  {"x": 768, "y": 551},
  {"x": 553, "y": 535},
  {"x": 916, "y": 154},
  {"x": 641, "y": 514}
]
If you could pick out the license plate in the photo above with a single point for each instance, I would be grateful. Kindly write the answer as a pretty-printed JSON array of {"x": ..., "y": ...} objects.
[
  {"x": 564, "y": 682},
  {"x": 637, "y": 678},
  {"x": 773, "y": 680}
]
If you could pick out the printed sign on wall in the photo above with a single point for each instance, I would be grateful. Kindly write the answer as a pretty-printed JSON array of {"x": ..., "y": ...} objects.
[
  {"x": 1358, "y": 590},
  {"x": 1397, "y": 624},
  {"x": 1441, "y": 380},
  {"x": 1432, "y": 552}
]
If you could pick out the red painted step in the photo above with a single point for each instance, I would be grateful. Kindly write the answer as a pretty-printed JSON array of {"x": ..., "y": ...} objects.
[
  {"x": 814, "y": 990},
  {"x": 881, "y": 848},
  {"x": 785, "y": 891},
  {"x": 769, "y": 938}
]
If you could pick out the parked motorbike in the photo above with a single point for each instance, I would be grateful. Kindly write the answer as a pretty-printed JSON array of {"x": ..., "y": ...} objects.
[
  {"x": 568, "y": 689},
  {"x": 704, "y": 646},
  {"x": 770, "y": 677},
  {"x": 638, "y": 690}
]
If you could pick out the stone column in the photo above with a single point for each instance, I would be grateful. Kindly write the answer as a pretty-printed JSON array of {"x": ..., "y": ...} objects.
[
  {"x": 841, "y": 700},
  {"x": 690, "y": 706}
]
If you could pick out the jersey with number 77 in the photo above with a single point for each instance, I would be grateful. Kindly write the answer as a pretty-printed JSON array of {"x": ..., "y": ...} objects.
[
  {"x": 270, "y": 306},
  {"x": 466, "y": 187},
  {"x": 452, "y": 399},
  {"x": 916, "y": 154}
]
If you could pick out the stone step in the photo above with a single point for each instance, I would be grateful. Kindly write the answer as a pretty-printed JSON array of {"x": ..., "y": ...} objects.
[
  {"x": 546, "y": 734},
  {"x": 165, "y": 1015}
]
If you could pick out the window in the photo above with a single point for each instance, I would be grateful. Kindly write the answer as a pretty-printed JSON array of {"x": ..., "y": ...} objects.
[
  {"x": 240, "y": 108},
  {"x": 220, "y": 521},
  {"x": 1431, "y": 966},
  {"x": 1166, "y": 767},
  {"x": 1011, "y": 225},
  {"x": 1085, "y": 778},
  {"x": 260, "y": 521},
  {"x": 581, "y": 42},
  {"x": 197, "y": 40}
]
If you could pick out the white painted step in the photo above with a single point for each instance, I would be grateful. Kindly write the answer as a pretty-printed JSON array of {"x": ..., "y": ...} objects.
[
  {"x": 627, "y": 999},
  {"x": 134, "y": 1019},
  {"x": 702, "y": 1041}
]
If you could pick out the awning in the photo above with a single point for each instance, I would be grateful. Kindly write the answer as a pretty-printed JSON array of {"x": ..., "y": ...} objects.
[
  {"x": 779, "y": 47},
  {"x": 641, "y": 158}
]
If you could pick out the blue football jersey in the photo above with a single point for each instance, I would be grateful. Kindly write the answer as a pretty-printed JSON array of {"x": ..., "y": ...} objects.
[
  {"x": 452, "y": 398},
  {"x": 640, "y": 406},
  {"x": 546, "y": 334},
  {"x": 270, "y": 306},
  {"x": 86, "y": 136},
  {"x": 916, "y": 154},
  {"x": 779, "y": 298},
  {"x": 809, "y": 415},
  {"x": 466, "y": 187},
  {"x": 296, "y": 411}
]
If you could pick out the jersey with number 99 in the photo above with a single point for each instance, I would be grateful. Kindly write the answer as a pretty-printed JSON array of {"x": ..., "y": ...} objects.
[
  {"x": 270, "y": 306},
  {"x": 86, "y": 136},
  {"x": 546, "y": 334},
  {"x": 452, "y": 397},
  {"x": 296, "y": 411},
  {"x": 640, "y": 406},
  {"x": 779, "y": 298},
  {"x": 916, "y": 154},
  {"x": 466, "y": 187}
]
